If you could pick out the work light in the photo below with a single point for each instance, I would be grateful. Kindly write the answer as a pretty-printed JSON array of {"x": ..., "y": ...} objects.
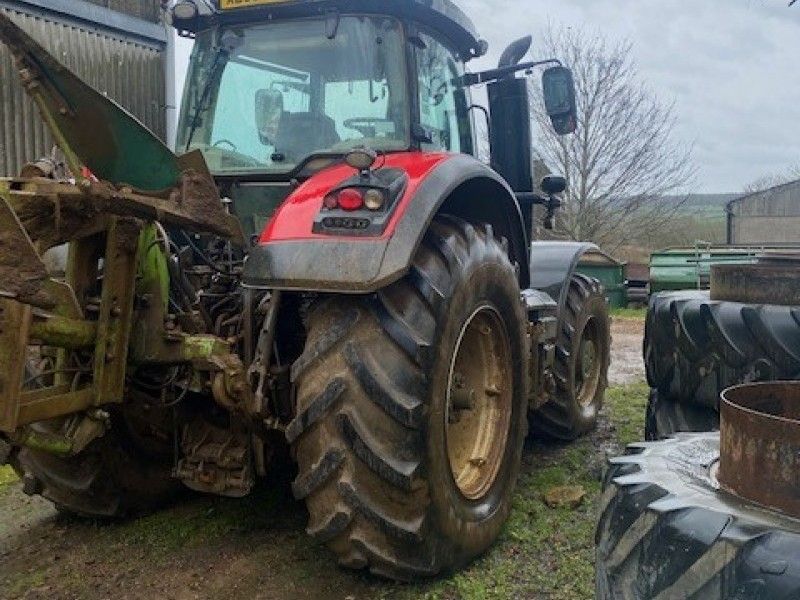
[{"x": 184, "y": 10}]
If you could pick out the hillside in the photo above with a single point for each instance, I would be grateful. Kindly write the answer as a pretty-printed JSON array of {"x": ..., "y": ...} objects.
[{"x": 706, "y": 205}]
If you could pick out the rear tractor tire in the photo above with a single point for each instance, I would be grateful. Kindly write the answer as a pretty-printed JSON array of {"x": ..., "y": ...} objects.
[
  {"x": 583, "y": 353},
  {"x": 411, "y": 411}
]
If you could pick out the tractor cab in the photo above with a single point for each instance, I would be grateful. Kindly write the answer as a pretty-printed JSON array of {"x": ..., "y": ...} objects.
[
  {"x": 278, "y": 89},
  {"x": 273, "y": 86}
]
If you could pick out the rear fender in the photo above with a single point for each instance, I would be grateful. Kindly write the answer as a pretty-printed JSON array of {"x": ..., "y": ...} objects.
[
  {"x": 459, "y": 185},
  {"x": 553, "y": 264}
]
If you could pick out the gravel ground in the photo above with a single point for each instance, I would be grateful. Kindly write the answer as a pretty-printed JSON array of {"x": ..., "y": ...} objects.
[{"x": 627, "y": 364}]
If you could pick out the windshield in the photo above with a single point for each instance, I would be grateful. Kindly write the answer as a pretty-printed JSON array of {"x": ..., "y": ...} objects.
[{"x": 266, "y": 97}]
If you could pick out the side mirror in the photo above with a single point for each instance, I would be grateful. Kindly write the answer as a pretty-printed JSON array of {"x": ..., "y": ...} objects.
[
  {"x": 559, "y": 99},
  {"x": 269, "y": 112},
  {"x": 515, "y": 52},
  {"x": 554, "y": 184}
]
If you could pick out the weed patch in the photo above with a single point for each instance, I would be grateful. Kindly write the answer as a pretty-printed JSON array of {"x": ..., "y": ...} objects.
[
  {"x": 7, "y": 475},
  {"x": 637, "y": 314}
]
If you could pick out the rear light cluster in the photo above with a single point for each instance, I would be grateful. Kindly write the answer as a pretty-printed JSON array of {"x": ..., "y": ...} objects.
[
  {"x": 362, "y": 205},
  {"x": 352, "y": 199}
]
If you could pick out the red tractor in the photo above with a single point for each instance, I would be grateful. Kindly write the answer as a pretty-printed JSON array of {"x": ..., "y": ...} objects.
[{"x": 326, "y": 266}]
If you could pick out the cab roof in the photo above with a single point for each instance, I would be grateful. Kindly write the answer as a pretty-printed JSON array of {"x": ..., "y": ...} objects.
[{"x": 443, "y": 16}]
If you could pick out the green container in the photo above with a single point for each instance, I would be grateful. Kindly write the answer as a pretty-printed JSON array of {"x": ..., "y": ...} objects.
[
  {"x": 690, "y": 267},
  {"x": 608, "y": 271}
]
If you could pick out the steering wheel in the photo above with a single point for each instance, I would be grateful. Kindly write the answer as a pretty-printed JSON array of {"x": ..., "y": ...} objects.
[
  {"x": 226, "y": 142},
  {"x": 366, "y": 125}
]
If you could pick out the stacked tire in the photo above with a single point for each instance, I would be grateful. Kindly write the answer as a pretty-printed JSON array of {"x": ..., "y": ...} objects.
[
  {"x": 666, "y": 531},
  {"x": 696, "y": 347}
]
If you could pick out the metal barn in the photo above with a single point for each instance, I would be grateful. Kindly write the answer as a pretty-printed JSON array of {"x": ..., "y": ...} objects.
[
  {"x": 117, "y": 46},
  {"x": 770, "y": 218}
]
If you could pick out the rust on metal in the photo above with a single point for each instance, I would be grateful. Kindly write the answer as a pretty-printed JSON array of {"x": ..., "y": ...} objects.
[
  {"x": 115, "y": 319},
  {"x": 57, "y": 211},
  {"x": 62, "y": 332},
  {"x": 215, "y": 460},
  {"x": 773, "y": 280},
  {"x": 15, "y": 322},
  {"x": 22, "y": 273},
  {"x": 39, "y": 214},
  {"x": 760, "y": 444},
  {"x": 49, "y": 403}
]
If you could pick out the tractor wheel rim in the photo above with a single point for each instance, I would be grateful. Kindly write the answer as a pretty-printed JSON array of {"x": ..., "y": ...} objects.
[
  {"x": 587, "y": 367},
  {"x": 479, "y": 403}
]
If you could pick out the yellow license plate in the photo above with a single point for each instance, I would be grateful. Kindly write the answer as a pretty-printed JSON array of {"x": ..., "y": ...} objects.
[{"x": 230, "y": 4}]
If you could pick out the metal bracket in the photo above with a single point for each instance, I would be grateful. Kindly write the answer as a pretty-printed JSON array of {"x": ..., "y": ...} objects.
[{"x": 216, "y": 461}]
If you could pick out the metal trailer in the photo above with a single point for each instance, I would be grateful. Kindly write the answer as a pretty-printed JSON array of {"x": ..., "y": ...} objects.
[
  {"x": 117, "y": 46},
  {"x": 689, "y": 267}
]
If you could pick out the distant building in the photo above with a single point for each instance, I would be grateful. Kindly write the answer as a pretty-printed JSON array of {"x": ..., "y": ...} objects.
[
  {"x": 770, "y": 217},
  {"x": 117, "y": 46}
]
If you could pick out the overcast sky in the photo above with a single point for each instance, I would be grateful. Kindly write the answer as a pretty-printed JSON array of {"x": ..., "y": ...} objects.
[{"x": 730, "y": 65}]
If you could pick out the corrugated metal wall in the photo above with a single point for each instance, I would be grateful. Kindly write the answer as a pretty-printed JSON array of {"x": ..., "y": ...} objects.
[
  {"x": 143, "y": 9},
  {"x": 129, "y": 69},
  {"x": 768, "y": 217}
]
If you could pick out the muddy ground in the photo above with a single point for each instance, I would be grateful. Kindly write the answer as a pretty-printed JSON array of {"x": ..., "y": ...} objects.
[{"x": 256, "y": 548}]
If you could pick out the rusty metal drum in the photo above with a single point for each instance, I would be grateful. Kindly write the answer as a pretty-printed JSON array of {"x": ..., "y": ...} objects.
[{"x": 760, "y": 444}]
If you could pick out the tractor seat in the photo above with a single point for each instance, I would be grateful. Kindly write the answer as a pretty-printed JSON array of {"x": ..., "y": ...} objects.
[{"x": 301, "y": 134}]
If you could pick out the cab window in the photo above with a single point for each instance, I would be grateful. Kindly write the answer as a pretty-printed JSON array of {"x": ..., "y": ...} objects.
[
  {"x": 246, "y": 84},
  {"x": 443, "y": 105}
]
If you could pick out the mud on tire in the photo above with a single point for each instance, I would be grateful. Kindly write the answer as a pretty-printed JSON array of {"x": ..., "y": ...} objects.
[
  {"x": 695, "y": 348},
  {"x": 370, "y": 436},
  {"x": 580, "y": 386},
  {"x": 666, "y": 531}
]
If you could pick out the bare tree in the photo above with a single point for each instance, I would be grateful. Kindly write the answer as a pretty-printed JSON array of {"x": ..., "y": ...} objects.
[
  {"x": 770, "y": 181},
  {"x": 622, "y": 162}
]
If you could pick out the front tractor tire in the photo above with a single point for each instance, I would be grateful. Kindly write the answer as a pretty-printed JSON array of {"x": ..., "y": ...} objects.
[
  {"x": 583, "y": 354},
  {"x": 118, "y": 475},
  {"x": 411, "y": 411}
]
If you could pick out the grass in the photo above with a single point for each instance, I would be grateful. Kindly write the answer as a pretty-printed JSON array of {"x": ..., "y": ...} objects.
[
  {"x": 638, "y": 314},
  {"x": 26, "y": 582},
  {"x": 198, "y": 523},
  {"x": 626, "y": 407}
]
